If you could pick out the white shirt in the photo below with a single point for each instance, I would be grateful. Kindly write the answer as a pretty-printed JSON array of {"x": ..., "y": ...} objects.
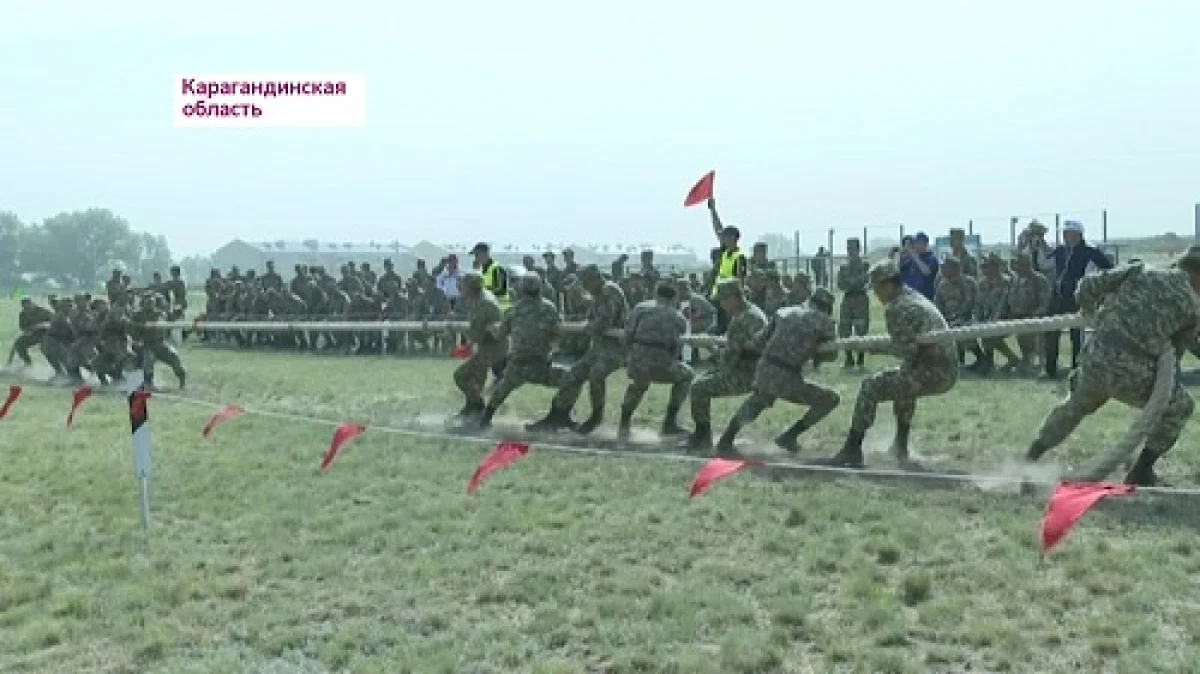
[{"x": 447, "y": 282}]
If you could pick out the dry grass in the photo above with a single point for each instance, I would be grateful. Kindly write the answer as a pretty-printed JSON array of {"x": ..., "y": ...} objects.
[{"x": 260, "y": 563}]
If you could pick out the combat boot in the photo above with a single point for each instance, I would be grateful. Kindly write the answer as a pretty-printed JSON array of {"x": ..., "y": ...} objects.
[
  {"x": 670, "y": 426},
  {"x": 725, "y": 444},
  {"x": 701, "y": 438},
  {"x": 849, "y": 361},
  {"x": 1036, "y": 450},
  {"x": 555, "y": 420},
  {"x": 485, "y": 418},
  {"x": 592, "y": 423},
  {"x": 862, "y": 358},
  {"x": 900, "y": 443},
  {"x": 625, "y": 428},
  {"x": 1142, "y": 474},
  {"x": 787, "y": 440},
  {"x": 850, "y": 455}
]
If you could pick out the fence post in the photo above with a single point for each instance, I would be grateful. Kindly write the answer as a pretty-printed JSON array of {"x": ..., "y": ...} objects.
[
  {"x": 1058, "y": 229},
  {"x": 1104, "y": 225},
  {"x": 970, "y": 227},
  {"x": 1012, "y": 232}
]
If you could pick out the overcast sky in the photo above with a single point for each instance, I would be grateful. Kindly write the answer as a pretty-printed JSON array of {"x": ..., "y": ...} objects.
[{"x": 552, "y": 121}]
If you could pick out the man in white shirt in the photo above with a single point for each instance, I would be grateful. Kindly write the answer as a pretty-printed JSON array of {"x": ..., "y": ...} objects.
[{"x": 447, "y": 281}]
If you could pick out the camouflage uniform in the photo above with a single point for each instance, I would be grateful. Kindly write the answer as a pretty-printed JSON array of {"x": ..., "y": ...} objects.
[
  {"x": 114, "y": 345},
  {"x": 57, "y": 342},
  {"x": 735, "y": 373},
  {"x": 1141, "y": 314},
  {"x": 482, "y": 313},
  {"x": 530, "y": 326},
  {"x": 854, "y": 318},
  {"x": 152, "y": 346},
  {"x": 925, "y": 370},
  {"x": 956, "y": 296},
  {"x": 789, "y": 342},
  {"x": 1028, "y": 297},
  {"x": 32, "y": 322},
  {"x": 992, "y": 306},
  {"x": 652, "y": 335},
  {"x": 604, "y": 356}
]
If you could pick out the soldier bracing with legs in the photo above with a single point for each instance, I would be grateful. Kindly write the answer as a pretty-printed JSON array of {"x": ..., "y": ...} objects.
[
  {"x": 653, "y": 337},
  {"x": 483, "y": 312}
]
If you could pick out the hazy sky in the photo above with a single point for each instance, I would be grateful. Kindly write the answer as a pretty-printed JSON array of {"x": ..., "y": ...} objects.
[{"x": 552, "y": 121}]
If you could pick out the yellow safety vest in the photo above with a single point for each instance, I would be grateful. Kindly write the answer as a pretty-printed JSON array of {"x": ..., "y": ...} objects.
[
  {"x": 491, "y": 283},
  {"x": 728, "y": 267}
]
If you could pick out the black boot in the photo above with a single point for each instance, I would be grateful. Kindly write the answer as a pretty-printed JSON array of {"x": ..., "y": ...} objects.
[
  {"x": 670, "y": 426},
  {"x": 701, "y": 438},
  {"x": 625, "y": 428},
  {"x": 900, "y": 443},
  {"x": 849, "y": 361},
  {"x": 787, "y": 439},
  {"x": 1036, "y": 450},
  {"x": 851, "y": 454},
  {"x": 725, "y": 444},
  {"x": 555, "y": 420},
  {"x": 862, "y": 358},
  {"x": 485, "y": 418},
  {"x": 470, "y": 409},
  {"x": 1142, "y": 474},
  {"x": 592, "y": 423}
]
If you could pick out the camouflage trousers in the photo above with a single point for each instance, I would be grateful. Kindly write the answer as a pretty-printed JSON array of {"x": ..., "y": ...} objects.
[
  {"x": 592, "y": 369},
  {"x": 854, "y": 316},
  {"x": 111, "y": 358},
  {"x": 644, "y": 372},
  {"x": 153, "y": 352},
  {"x": 525, "y": 370},
  {"x": 82, "y": 351},
  {"x": 471, "y": 376},
  {"x": 1106, "y": 373},
  {"x": 23, "y": 343},
  {"x": 57, "y": 353},
  {"x": 774, "y": 381},
  {"x": 902, "y": 386},
  {"x": 724, "y": 382}
]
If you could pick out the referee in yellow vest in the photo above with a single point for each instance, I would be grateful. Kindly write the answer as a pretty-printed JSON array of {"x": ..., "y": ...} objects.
[
  {"x": 731, "y": 263},
  {"x": 495, "y": 281}
]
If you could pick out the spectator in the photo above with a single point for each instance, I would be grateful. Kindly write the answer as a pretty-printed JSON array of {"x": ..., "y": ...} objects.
[
  {"x": 1071, "y": 262},
  {"x": 919, "y": 265},
  {"x": 447, "y": 281}
]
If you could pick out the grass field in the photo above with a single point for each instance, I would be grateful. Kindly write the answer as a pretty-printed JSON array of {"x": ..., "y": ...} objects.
[{"x": 258, "y": 562}]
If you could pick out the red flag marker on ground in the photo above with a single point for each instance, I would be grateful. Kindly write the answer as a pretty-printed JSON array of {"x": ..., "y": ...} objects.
[
  {"x": 461, "y": 352},
  {"x": 137, "y": 407},
  {"x": 344, "y": 433},
  {"x": 503, "y": 454},
  {"x": 226, "y": 412},
  {"x": 702, "y": 191},
  {"x": 81, "y": 394},
  {"x": 1069, "y": 502},
  {"x": 715, "y": 470},
  {"x": 14, "y": 392}
]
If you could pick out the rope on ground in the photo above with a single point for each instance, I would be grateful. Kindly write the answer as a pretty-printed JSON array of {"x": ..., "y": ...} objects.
[
  {"x": 871, "y": 343},
  {"x": 1160, "y": 397}
]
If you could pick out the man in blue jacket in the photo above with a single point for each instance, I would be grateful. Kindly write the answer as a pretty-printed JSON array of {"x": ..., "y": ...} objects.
[
  {"x": 1071, "y": 261},
  {"x": 919, "y": 265}
]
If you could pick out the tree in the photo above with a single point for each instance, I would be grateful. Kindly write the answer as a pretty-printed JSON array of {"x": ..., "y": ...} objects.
[
  {"x": 195, "y": 268},
  {"x": 12, "y": 235},
  {"x": 154, "y": 255},
  {"x": 79, "y": 247}
]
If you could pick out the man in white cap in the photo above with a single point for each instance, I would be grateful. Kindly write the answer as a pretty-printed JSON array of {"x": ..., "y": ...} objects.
[{"x": 1071, "y": 261}]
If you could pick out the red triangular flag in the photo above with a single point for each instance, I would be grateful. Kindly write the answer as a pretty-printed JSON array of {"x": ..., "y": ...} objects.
[
  {"x": 715, "y": 470},
  {"x": 226, "y": 412},
  {"x": 14, "y": 392},
  {"x": 344, "y": 432},
  {"x": 503, "y": 454},
  {"x": 138, "y": 409},
  {"x": 81, "y": 394},
  {"x": 702, "y": 191},
  {"x": 1069, "y": 502},
  {"x": 461, "y": 352}
]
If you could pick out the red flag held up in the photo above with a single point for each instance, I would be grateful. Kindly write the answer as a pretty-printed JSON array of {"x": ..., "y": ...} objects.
[
  {"x": 14, "y": 392},
  {"x": 715, "y": 470},
  {"x": 1069, "y": 502},
  {"x": 344, "y": 432},
  {"x": 503, "y": 454},
  {"x": 81, "y": 394},
  {"x": 226, "y": 412},
  {"x": 702, "y": 191},
  {"x": 461, "y": 352}
]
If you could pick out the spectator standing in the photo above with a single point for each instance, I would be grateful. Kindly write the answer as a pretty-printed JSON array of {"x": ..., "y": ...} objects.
[
  {"x": 919, "y": 265},
  {"x": 447, "y": 280},
  {"x": 1071, "y": 262}
]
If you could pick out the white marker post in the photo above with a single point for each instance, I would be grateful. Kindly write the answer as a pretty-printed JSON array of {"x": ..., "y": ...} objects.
[{"x": 139, "y": 421}]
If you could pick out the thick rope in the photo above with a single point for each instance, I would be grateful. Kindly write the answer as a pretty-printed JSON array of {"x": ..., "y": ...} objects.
[
  {"x": 872, "y": 343},
  {"x": 1160, "y": 397}
]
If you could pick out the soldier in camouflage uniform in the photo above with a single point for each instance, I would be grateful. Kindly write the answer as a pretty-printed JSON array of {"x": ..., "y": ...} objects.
[
  {"x": 958, "y": 251},
  {"x": 109, "y": 364},
  {"x": 653, "y": 337},
  {"x": 854, "y": 319},
  {"x": 483, "y": 311},
  {"x": 1139, "y": 315},
  {"x": 790, "y": 341},
  {"x": 530, "y": 326},
  {"x": 801, "y": 289},
  {"x": 604, "y": 356},
  {"x": 57, "y": 342},
  {"x": 151, "y": 345},
  {"x": 33, "y": 321},
  {"x": 993, "y": 306},
  {"x": 956, "y": 295},
  {"x": 735, "y": 373},
  {"x": 925, "y": 369},
  {"x": 1028, "y": 297}
]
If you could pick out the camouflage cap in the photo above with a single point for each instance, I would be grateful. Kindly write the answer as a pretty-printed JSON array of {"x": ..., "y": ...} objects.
[
  {"x": 1036, "y": 227},
  {"x": 1190, "y": 260},
  {"x": 729, "y": 287},
  {"x": 590, "y": 273},
  {"x": 991, "y": 258},
  {"x": 958, "y": 230},
  {"x": 822, "y": 298},
  {"x": 884, "y": 270},
  {"x": 952, "y": 261}
]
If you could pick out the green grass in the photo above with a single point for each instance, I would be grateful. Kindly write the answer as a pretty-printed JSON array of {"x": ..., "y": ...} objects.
[{"x": 258, "y": 562}]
